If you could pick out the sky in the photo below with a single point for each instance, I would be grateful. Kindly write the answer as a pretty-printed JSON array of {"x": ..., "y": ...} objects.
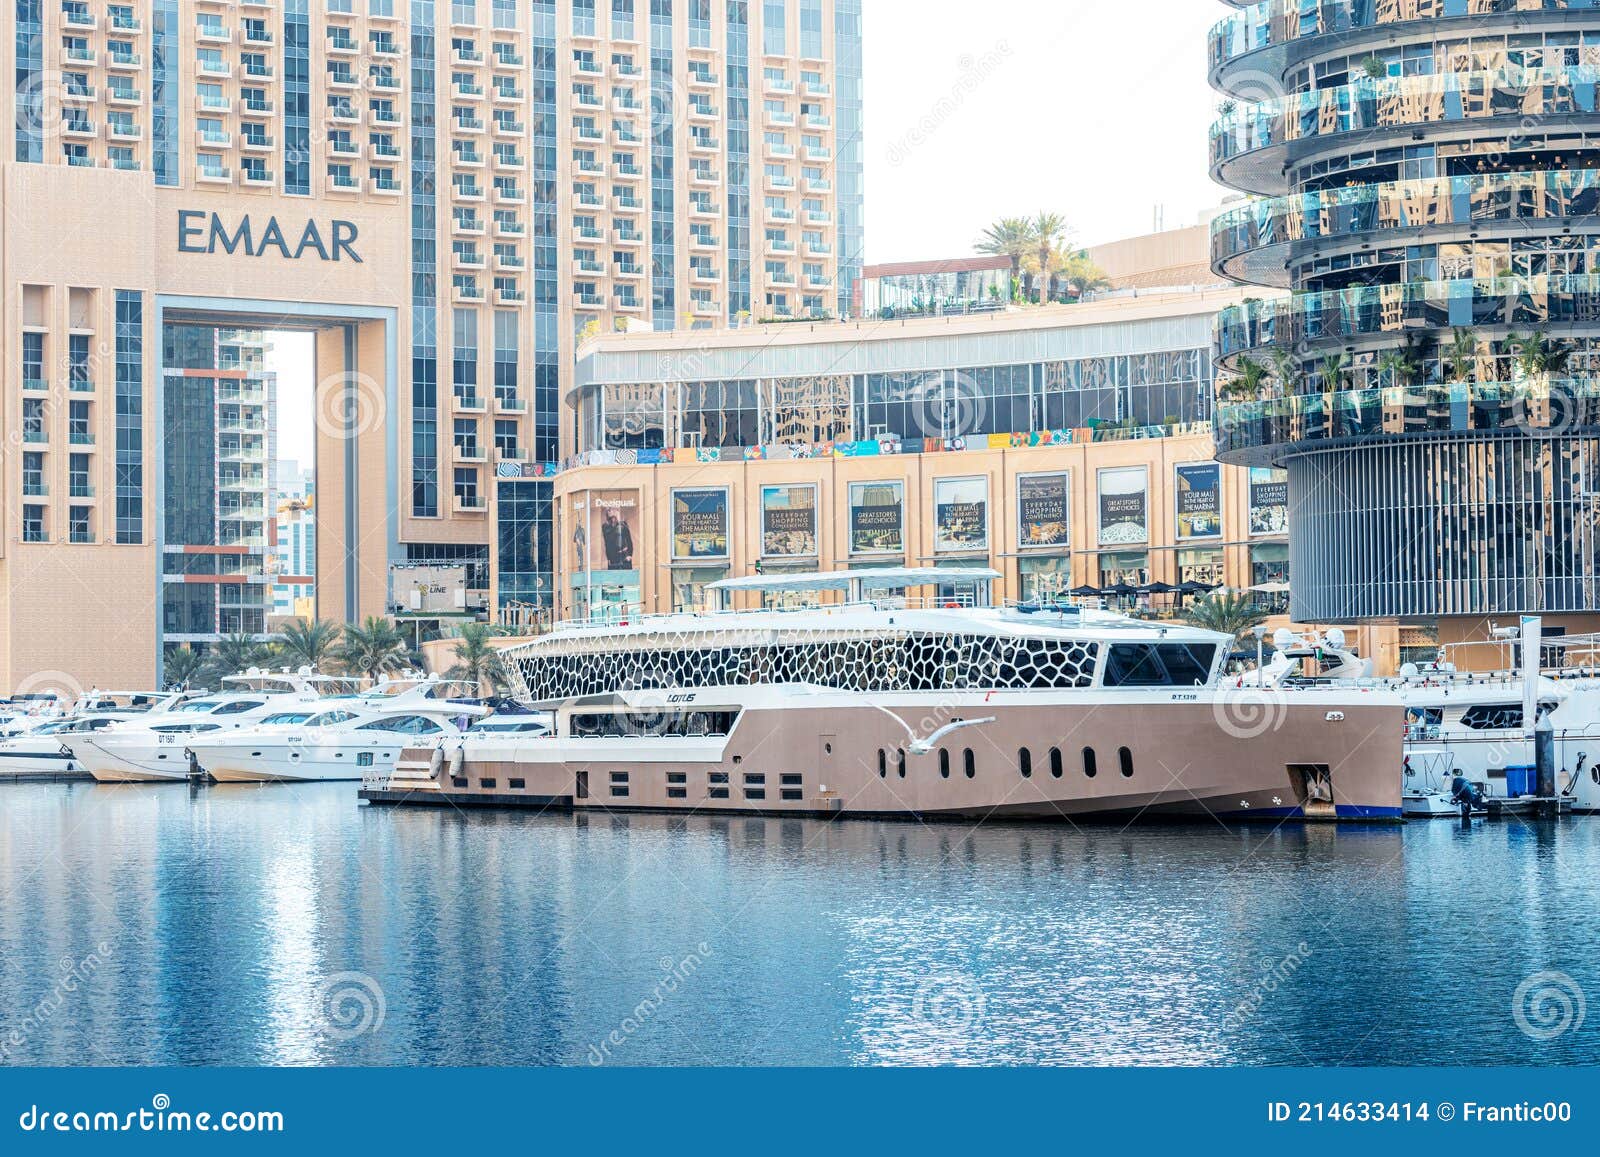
[{"x": 976, "y": 111}]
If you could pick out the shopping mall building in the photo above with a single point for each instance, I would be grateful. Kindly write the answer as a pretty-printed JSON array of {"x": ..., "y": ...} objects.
[
  {"x": 447, "y": 195},
  {"x": 1062, "y": 446}
]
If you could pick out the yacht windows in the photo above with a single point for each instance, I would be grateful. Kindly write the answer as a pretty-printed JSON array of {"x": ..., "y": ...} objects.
[
  {"x": 1025, "y": 763},
  {"x": 404, "y": 725},
  {"x": 883, "y": 764},
  {"x": 1125, "y": 762},
  {"x": 1498, "y": 716},
  {"x": 185, "y": 728},
  {"x": 944, "y": 764},
  {"x": 1089, "y": 769},
  {"x": 634, "y": 724},
  {"x": 1055, "y": 763},
  {"x": 619, "y": 783},
  {"x": 235, "y": 708},
  {"x": 1159, "y": 664},
  {"x": 286, "y": 717},
  {"x": 791, "y": 788},
  {"x": 900, "y": 762},
  {"x": 328, "y": 718},
  {"x": 967, "y": 763},
  {"x": 912, "y": 661}
]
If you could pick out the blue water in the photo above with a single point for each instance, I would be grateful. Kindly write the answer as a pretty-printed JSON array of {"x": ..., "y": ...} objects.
[{"x": 293, "y": 926}]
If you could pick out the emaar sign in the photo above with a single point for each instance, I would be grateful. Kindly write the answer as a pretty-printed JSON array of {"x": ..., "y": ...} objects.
[{"x": 202, "y": 232}]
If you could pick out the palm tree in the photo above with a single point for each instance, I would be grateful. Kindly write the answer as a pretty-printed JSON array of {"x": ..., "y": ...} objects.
[
  {"x": 1049, "y": 229},
  {"x": 373, "y": 647},
  {"x": 1083, "y": 276},
  {"x": 308, "y": 644},
  {"x": 1010, "y": 237},
  {"x": 1334, "y": 368},
  {"x": 1247, "y": 385},
  {"x": 183, "y": 666},
  {"x": 1231, "y": 612},
  {"x": 237, "y": 652},
  {"x": 1539, "y": 356},
  {"x": 1286, "y": 368},
  {"x": 1463, "y": 353},
  {"x": 477, "y": 662}
]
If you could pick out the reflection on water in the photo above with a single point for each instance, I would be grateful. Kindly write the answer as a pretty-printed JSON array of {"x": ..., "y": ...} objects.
[{"x": 291, "y": 925}]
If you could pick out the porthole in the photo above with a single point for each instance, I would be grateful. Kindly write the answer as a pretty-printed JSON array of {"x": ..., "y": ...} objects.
[
  {"x": 1055, "y": 763},
  {"x": 900, "y": 762},
  {"x": 1025, "y": 763},
  {"x": 1089, "y": 768},
  {"x": 1125, "y": 761},
  {"x": 883, "y": 765},
  {"x": 967, "y": 763},
  {"x": 944, "y": 764}
]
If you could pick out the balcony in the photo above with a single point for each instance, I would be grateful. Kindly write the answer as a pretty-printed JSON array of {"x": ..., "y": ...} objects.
[
  {"x": 255, "y": 108},
  {"x": 705, "y": 309},
  {"x": 255, "y": 143},
  {"x": 466, "y": 294},
  {"x": 779, "y": 152},
  {"x": 466, "y": 403},
  {"x": 470, "y": 453},
  {"x": 507, "y": 295},
  {"x": 386, "y": 186},
  {"x": 214, "y": 176},
  {"x": 213, "y": 139},
  {"x": 630, "y": 270},
  {"x": 467, "y": 226},
  {"x": 471, "y": 503},
  {"x": 256, "y": 178},
  {"x": 124, "y": 61},
  {"x": 629, "y": 304},
  {"x": 466, "y": 259},
  {"x": 212, "y": 69},
  {"x": 504, "y": 404},
  {"x": 79, "y": 130}
]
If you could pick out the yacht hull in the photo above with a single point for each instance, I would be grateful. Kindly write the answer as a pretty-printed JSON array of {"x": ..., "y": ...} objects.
[
  {"x": 293, "y": 763},
  {"x": 1156, "y": 754},
  {"x": 37, "y": 764},
  {"x": 140, "y": 762}
]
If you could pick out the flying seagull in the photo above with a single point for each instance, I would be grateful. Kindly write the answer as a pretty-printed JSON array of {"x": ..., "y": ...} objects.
[{"x": 923, "y": 746}]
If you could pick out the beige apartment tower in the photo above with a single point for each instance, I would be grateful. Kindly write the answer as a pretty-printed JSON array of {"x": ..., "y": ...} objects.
[{"x": 448, "y": 196}]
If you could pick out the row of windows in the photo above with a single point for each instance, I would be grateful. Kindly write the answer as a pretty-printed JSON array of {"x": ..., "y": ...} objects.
[
  {"x": 1024, "y": 763},
  {"x": 790, "y": 787}
]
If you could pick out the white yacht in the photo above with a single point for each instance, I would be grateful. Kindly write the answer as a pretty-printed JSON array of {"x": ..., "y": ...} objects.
[
  {"x": 885, "y": 704},
  {"x": 151, "y": 748},
  {"x": 1469, "y": 725},
  {"x": 341, "y": 738}
]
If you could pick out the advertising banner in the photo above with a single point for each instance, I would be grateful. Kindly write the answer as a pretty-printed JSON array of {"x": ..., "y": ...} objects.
[
  {"x": 1043, "y": 517},
  {"x": 960, "y": 514},
  {"x": 700, "y": 523},
  {"x": 877, "y": 517},
  {"x": 1124, "y": 505},
  {"x": 1269, "y": 500},
  {"x": 788, "y": 521},
  {"x": 1199, "y": 499}
]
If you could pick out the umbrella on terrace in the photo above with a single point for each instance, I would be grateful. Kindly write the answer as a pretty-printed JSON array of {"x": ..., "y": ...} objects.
[{"x": 1084, "y": 592}]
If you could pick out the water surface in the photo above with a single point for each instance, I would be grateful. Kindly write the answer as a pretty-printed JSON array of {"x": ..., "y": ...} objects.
[{"x": 292, "y": 925}]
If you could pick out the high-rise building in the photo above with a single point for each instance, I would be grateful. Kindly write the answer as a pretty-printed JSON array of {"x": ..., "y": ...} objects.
[
  {"x": 448, "y": 194},
  {"x": 1428, "y": 178}
]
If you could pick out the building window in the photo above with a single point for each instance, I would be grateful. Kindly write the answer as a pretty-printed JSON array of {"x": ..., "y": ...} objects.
[
  {"x": 774, "y": 38},
  {"x": 33, "y": 474},
  {"x": 33, "y": 362},
  {"x": 130, "y": 417},
  {"x": 33, "y": 524},
  {"x": 80, "y": 524},
  {"x": 33, "y": 420}
]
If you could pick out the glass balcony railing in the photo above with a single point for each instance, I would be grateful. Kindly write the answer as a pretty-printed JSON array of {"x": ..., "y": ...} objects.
[
  {"x": 1281, "y": 24},
  {"x": 1537, "y": 404},
  {"x": 1363, "y": 311},
  {"x": 1371, "y": 107},
  {"x": 1248, "y": 243}
]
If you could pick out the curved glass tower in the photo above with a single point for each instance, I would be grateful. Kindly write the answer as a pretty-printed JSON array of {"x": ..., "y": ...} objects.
[{"x": 1427, "y": 188}]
